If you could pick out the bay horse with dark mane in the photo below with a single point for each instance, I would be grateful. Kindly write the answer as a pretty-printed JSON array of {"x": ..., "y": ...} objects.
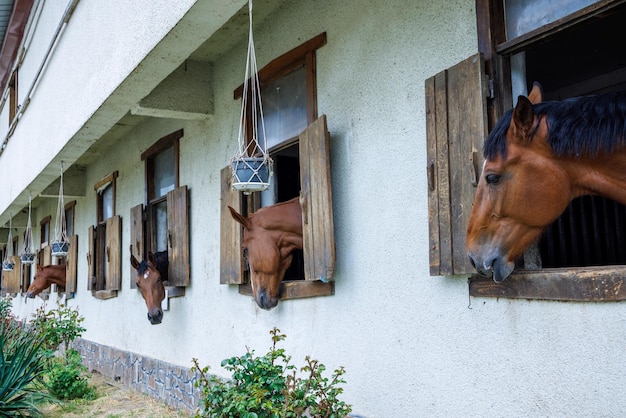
[
  {"x": 151, "y": 274},
  {"x": 269, "y": 237},
  {"x": 539, "y": 157},
  {"x": 46, "y": 276}
]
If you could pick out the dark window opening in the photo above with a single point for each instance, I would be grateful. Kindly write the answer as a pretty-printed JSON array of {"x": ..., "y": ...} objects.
[{"x": 588, "y": 58}]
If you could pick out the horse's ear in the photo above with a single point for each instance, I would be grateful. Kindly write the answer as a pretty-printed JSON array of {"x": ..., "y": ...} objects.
[
  {"x": 39, "y": 267},
  {"x": 239, "y": 218},
  {"x": 134, "y": 262},
  {"x": 152, "y": 258},
  {"x": 536, "y": 94},
  {"x": 523, "y": 117}
]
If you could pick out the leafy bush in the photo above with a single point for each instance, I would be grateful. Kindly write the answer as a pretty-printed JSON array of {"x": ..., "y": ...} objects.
[
  {"x": 67, "y": 377},
  {"x": 21, "y": 369},
  {"x": 5, "y": 307},
  {"x": 268, "y": 386},
  {"x": 60, "y": 325}
]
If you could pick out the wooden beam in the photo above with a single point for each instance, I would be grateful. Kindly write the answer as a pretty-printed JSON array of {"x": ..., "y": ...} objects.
[{"x": 588, "y": 284}]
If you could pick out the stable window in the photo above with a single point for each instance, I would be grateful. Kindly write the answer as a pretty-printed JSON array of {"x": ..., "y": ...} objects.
[
  {"x": 164, "y": 224},
  {"x": 298, "y": 143},
  {"x": 44, "y": 232},
  {"x": 26, "y": 272},
  {"x": 105, "y": 242},
  {"x": 572, "y": 50}
]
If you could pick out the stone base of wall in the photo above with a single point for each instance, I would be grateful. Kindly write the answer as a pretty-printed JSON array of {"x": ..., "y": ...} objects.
[{"x": 163, "y": 381}]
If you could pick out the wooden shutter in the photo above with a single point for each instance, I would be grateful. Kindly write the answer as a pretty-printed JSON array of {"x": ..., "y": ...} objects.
[
  {"x": 113, "y": 253},
  {"x": 25, "y": 279},
  {"x": 136, "y": 239},
  {"x": 456, "y": 126},
  {"x": 178, "y": 236},
  {"x": 45, "y": 259},
  {"x": 231, "y": 260},
  {"x": 316, "y": 200},
  {"x": 91, "y": 261},
  {"x": 71, "y": 264},
  {"x": 11, "y": 279}
]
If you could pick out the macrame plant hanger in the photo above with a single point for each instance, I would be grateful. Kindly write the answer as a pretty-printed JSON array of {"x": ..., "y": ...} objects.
[
  {"x": 60, "y": 245},
  {"x": 28, "y": 255},
  {"x": 251, "y": 166},
  {"x": 7, "y": 264}
]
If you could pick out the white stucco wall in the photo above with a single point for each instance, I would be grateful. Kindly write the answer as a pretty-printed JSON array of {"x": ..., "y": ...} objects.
[{"x": 412, "y": 345}]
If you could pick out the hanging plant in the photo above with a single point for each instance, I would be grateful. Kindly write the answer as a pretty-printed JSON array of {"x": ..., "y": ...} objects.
[
  {"x": 251, "y": 166},
  {"x": 60, "y": 244},
  {"x": 28, "y": 255},
  {"x": 7, "y": 264}
]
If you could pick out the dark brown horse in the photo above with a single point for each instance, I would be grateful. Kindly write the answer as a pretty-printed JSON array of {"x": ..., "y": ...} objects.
[
  {"x": 539, "y": 157},
  {"x": 269, "y": 237},
  {"x": 151, "y": 274},
  {"x": 46, "y": 276}
]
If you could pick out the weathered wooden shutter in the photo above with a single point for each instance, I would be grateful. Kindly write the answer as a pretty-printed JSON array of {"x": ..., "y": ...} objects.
[
  {"x": 136, "y": 239},
  {"x": 91, "y": 261},
  {"x": 45, "y": 259},
  {"x": 11, "y": 279},
  {"x": 71, "y": 264},
  {"x": 231, "y": 260},
  {"x": 25, "y": 279},
  {"x": 456, "y": 126},
  {"x": 178, "y": 236},
  {"x": 113, "y": 253},
  {"x": 316, "y": 201}
]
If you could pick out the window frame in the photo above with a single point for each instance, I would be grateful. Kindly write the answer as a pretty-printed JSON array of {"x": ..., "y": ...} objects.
[
  {"x": 44, "y": 231},
  {"x": 583, "y": 284},
  {"x": 142, "y": 231},
  {"x": 318, "y": 264},
  {"x": 105, "y": 246}
]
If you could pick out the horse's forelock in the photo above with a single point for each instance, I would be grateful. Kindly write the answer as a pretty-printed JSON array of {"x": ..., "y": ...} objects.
[{"x": 142, "y": 267}]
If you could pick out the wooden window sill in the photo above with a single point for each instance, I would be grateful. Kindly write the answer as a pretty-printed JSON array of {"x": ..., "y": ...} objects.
[
  {"x": 582, "y": 284},
  {"x": 298, "y": 289}
]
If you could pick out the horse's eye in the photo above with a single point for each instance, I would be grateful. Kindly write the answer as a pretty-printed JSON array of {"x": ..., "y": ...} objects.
[
  {"x": 138, "y": 285},
  {"x": 492, "y": 178},
  {"x": 245, "y": 253}
]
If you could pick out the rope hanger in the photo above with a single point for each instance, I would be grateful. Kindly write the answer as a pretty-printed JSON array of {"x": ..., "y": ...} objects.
[{"x": 251, "y": 165}]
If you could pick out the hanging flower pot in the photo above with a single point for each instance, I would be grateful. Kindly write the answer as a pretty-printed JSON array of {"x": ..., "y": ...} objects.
[
  {"x": 251, "y": 174},
  {"x": 60, "y": 245},
  {"x": 7, "y": 266},
  {"x": 60, "y": 248},
  {"x": 27, "y": 258},
  {"x": 251, "y": 166}
]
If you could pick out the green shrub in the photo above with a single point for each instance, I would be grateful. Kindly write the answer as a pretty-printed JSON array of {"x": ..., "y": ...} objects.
[
  {"x": 67, "y": 377},
  {"x": 21, "y": 369},
  {"x": 60, "y": 325},
  {"x": 268, "y": 386}
]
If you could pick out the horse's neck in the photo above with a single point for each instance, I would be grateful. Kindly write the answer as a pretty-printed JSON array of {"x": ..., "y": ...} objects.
[
  {"x": 605, "y": 176},
  {"x": 56, "y": 276},
  {"x": 286, "y": 217}
]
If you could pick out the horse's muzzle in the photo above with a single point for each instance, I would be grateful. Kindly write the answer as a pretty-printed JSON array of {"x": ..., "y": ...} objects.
[
  {"x": 155, "y": 317},
  {"x": 265, "y": 301},
  {"x": 494, "y": 266}
]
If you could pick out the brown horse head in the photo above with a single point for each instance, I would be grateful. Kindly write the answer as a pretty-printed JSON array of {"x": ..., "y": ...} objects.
[
  {"x": 151, "y": 274},
  {"x": 44, "y": 277},
  {"x": 539, "y": 157},
  {"x": 269, "y": 237},
  {"x": 523, "y": 188}
]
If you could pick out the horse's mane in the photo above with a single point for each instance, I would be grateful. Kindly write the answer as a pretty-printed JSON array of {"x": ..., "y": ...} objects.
[{"x": 589, "y": 126}]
